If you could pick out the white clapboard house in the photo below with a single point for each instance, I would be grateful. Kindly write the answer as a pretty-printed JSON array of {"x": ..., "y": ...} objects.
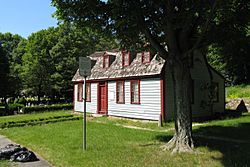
[{"x": 139, "y": 86}]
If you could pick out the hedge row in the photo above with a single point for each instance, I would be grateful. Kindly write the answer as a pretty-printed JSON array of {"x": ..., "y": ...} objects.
[
  {"x": 36, "y": 109},
  {"x": 39, "y": 121},
  {"x": 20, "y": 108},
  {"x": 2, "y": 109}
]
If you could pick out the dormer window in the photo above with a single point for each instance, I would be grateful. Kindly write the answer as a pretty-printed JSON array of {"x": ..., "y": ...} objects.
[
  {"x": 145, "y": 57},
  {"x": 125, "y": 59},
  {"x": 106, "y": 61}
]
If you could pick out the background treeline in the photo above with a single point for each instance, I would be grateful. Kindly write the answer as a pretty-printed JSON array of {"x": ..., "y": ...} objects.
[
  {"x": 44, "y": 64},
  {"x": 229, "y": 49}
]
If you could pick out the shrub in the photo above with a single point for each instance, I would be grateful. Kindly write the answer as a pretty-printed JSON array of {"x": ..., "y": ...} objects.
[
  {"x": 33, "y": 109},
  {"x": 2, "y": 111},
  {"x": 10, "y": 100},
  {"x": 21, "y": 100},
  {"x": 12, "y": 108}
]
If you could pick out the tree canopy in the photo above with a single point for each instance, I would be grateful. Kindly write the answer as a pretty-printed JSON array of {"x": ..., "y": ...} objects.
[
  {"x": 230, "y": 38},
  {"x": 49, "y": 58},
  {"x": 9, "y": 79}
]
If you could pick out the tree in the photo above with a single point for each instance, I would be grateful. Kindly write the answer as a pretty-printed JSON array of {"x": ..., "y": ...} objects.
[
  {"x": 11, "y": 82},
  {"x": 73, "y": 42},
  {"x": 173, "y": 28},
  {"x": 16, "y": 66},
  {"x": 37, "y": 63},
  {"x": 231, "y": 38},
  {"x": 50, "y": 58},
  {"x": 4, "y": 72}
]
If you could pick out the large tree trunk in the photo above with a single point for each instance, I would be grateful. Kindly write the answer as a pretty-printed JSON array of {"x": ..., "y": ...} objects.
[{"x": 182, "y": 140}]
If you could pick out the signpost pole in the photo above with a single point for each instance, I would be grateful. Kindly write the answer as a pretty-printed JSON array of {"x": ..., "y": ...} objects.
[
  {"x": 84, "y": 116},
  {"x": 84, "y": 70}
]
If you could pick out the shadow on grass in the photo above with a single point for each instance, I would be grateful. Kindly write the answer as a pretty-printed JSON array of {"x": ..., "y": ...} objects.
[{"x": 232, "y": 141}]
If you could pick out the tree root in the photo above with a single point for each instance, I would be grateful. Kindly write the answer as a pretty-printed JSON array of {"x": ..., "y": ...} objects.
[
  {"x": 178, "y": 145},
  {"x": 170, "y": 145}
]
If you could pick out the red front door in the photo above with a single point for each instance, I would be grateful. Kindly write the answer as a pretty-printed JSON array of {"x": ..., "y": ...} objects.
[{"x": 103, "y": 95}]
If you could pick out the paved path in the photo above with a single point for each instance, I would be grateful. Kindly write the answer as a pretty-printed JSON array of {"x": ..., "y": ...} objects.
[{"x": 41, "y": 163}]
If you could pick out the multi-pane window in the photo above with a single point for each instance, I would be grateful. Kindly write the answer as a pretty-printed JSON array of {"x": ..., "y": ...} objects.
[
  {"x": 88, "y": 92},
  {"x": 120, "y": 92},
  {"x": 79, "y": 92},
  {"x": 105, "y": 61},
  {"x": 135, "y": 91},
  {"x": 125, "y": 58},
  {"x": 145, "y": 57}
]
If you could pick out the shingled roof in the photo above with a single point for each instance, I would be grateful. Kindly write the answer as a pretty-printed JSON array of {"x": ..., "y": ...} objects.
[{"x": 116, "y": 70}]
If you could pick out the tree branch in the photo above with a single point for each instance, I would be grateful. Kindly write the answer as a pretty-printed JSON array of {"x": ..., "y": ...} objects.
[
  {"x": 198, "y": 41},
  {"x": 162, "y": 51},
  {"x": 152, "y": 39}
]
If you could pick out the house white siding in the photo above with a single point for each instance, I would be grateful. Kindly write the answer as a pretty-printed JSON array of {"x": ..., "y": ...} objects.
[
  {"x": 91, "y": 106},
  {"x": 150, "y": 100}
]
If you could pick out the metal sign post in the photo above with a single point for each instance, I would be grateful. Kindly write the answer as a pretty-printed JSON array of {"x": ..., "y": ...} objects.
[
  {"x": 84, "y": 116},
  {"x": 84, "y": 70}
]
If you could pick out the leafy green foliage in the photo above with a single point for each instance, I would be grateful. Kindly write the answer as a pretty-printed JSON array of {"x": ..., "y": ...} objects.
[
  {"x": 37, "y": 63},
  {"x": 35, "y": 109},
  {"x": 50, "y": 58},
  {"x": 20, "y": 100},
  {"x": 10, "y": 82},
  {"x": 72, "y": 43},
  {"x": 4, "y": 72},
  {"x": 231, "y": 42},
  {"x": 14, "y": 107}
]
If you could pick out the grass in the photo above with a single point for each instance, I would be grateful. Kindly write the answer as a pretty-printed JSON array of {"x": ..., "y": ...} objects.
[
  {"x": 5, "y": 164},
  {"x": 229, "y": 128},
  {"x": 242, "y": 91},
  {"x": 133, "y": 122},
  {"x": 109, "y": 144}
]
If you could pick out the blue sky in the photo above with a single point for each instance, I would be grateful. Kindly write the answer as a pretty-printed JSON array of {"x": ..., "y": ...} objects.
[{"x": 26, "y": 16}]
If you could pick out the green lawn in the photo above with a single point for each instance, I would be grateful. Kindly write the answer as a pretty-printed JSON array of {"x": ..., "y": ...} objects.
[
  {"x": 5, "y": 164},
  {"x": 241, "y": 91},
  {"x": 21, "y": 117},
  {"x": 109, "y": 144}
]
